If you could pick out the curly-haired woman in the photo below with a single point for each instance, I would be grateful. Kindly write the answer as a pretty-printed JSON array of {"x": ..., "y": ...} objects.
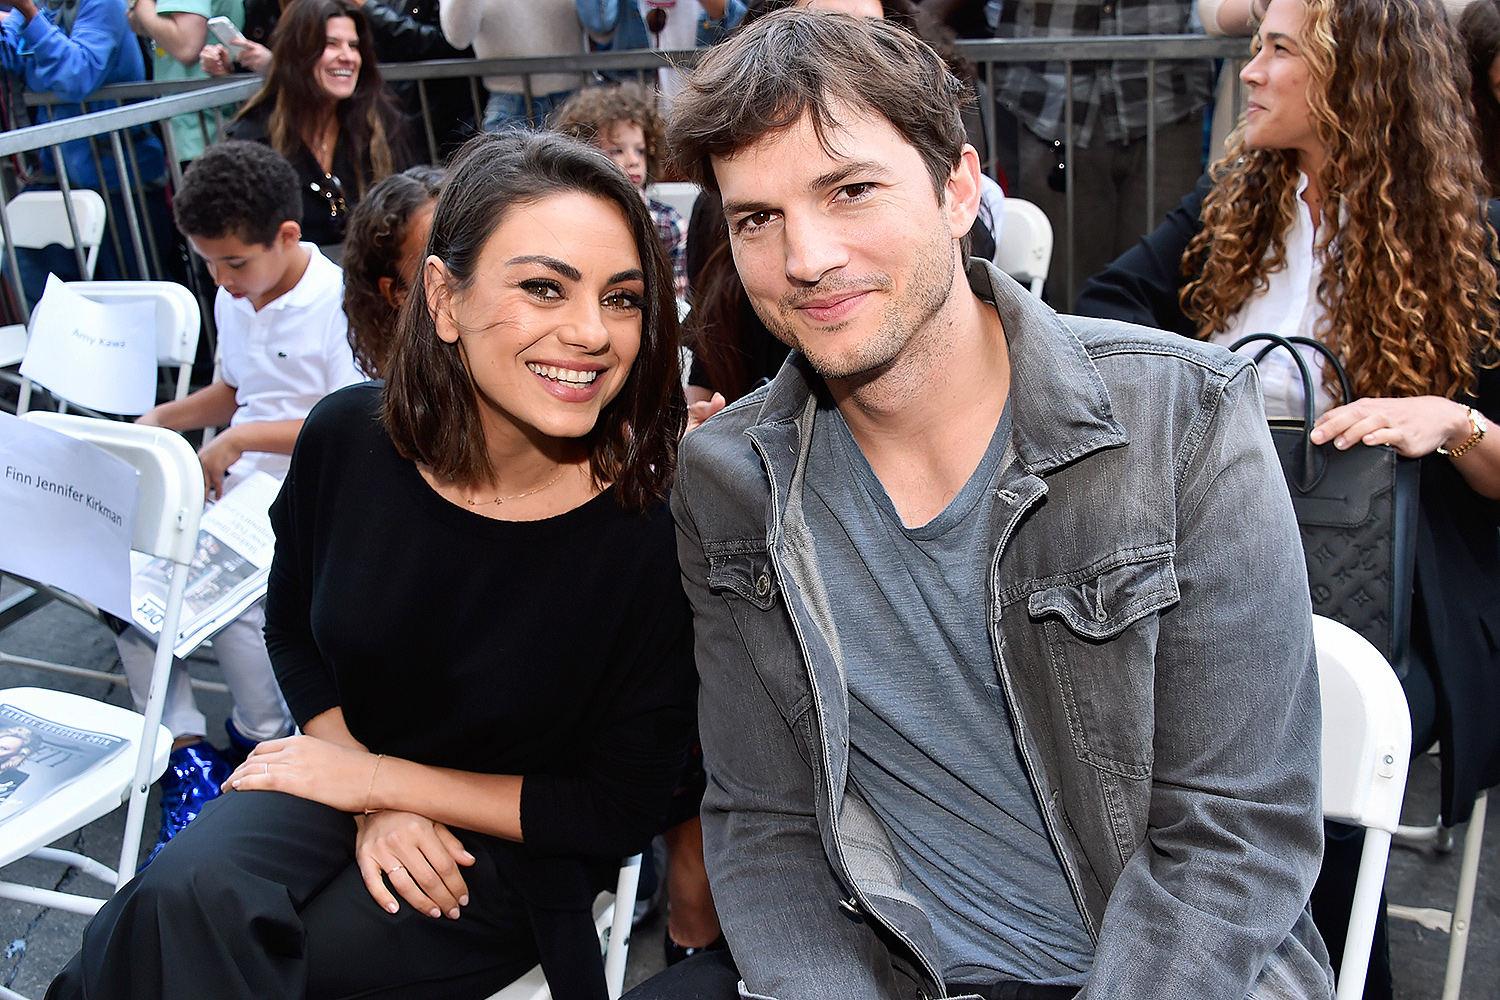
[
  {"x": 387, "y": 234},
  {"x": 1350, "y": 209},
  {"x": 326, "y": 109}
]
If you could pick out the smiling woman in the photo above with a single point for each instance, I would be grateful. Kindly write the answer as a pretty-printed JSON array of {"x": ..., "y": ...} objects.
[
  {"x": 476, "y": 616},
  {"x": 326, "y": 109}
]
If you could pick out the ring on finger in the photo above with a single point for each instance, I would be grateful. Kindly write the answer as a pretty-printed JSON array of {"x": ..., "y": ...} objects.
[
  {"x": 397, "y": 867},
  {"x": 267, "y": 768}
]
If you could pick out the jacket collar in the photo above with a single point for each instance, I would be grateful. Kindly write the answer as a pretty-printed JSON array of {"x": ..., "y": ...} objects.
[{"x": 1060, "y": 407}]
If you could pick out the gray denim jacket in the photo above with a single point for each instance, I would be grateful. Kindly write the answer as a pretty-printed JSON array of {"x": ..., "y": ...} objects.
[{"x": 1151, "y": 630}]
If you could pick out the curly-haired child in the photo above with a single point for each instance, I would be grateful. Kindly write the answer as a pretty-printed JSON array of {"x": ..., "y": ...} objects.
[{"x": 622, "y": 120}]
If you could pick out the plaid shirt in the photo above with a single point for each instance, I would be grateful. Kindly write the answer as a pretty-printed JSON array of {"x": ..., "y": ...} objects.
[
  {"x": 672, "y": 229},
  {"x": 1108, "y": 97}
]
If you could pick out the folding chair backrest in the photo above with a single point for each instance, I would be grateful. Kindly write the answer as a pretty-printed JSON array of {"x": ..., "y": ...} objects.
[
  {"x": 1025, "y": 248},
  {"x": 177, "y": 315},
  {"x": 1366, "y": 748},
  {"x": 38, "y": 219},
  {"x": 170, "y": 497}
]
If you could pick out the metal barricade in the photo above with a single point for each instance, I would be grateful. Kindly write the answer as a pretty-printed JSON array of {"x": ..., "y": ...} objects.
[{"x": 158, "y": 102}]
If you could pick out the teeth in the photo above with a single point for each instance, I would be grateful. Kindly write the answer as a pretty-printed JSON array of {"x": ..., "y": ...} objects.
[{"x": 569, "y": 375}]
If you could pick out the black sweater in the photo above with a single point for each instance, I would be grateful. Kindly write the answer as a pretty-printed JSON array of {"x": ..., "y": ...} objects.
[{"x": 560, "y": 649}]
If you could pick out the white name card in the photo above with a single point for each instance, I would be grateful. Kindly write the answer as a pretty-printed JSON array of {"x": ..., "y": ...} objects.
[
  {"x": 69, "y": 513},
  {"x": 101, "y": 355}
]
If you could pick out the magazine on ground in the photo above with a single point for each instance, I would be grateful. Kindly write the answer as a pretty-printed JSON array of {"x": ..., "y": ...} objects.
[
  {"x": 228, "y": 573},
  {"x": 39, "y": 756}
]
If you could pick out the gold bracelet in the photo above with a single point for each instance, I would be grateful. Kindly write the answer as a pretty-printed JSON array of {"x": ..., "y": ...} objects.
[
  {"x": 1478, "y": 424},
  {"x": 371, "y": 790}
]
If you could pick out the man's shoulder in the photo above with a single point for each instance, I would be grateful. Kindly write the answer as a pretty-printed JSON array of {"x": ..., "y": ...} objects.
[
  {"x": 1107, "y": 338},
  {"x": 720, "y": 456}
]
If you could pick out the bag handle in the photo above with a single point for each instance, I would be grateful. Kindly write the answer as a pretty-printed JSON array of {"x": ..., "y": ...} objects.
[
  {"x": 1328, "y": 356},
  {"x": 1309, "y": 474}
]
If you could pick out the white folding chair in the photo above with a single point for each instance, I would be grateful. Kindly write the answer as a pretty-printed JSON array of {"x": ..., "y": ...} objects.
[
  {"x": 39, "y": 219},
  {"x": 1024, "y": 250},
  {"x": 1456, "y": 922},
  {"x": 680, "y": 195},
  {"x": 178, "y": 319},
  {"x": 612, "y": 918},
  {"x": 1366, "y": 747},
  {"x": 169, "y": 500}
]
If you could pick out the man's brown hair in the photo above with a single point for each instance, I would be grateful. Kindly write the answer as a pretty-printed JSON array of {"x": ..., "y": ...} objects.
[{"x": 800, "y": 62}]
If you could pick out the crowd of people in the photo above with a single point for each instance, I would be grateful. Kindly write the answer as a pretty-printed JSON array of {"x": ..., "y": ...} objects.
[{"x": 954, "y": 645}]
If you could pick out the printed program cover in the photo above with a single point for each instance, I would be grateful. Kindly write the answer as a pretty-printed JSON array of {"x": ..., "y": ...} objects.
[
  {"x": 39, "y": 756},
  {"x": 228, "y": 572}
]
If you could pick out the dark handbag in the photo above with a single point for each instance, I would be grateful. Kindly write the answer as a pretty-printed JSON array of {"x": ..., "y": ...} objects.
[{"x": 1357, "y": 510}]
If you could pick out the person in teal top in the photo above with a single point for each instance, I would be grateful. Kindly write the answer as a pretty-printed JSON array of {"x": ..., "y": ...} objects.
[{"x": 178, "y": 30}]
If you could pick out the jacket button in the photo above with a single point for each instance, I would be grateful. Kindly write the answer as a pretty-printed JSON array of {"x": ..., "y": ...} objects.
[
  {"x": 851, "y": 910},
  {"x": 763, "y": 585}
]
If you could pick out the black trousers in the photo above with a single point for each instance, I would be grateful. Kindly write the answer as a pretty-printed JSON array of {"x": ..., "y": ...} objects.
[{"x": 260, "y": 899}]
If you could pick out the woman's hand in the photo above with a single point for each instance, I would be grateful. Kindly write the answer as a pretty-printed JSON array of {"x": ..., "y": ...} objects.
[
  {"x": 701, "y": 410},
  {"x": 1414, "y": 426},
  {"x": 420, "y": 858},
  {"x": 309, "y": 768}
]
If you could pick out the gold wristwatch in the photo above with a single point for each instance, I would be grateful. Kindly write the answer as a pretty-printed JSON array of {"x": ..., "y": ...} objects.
[{"x": 1480, "y": 425}]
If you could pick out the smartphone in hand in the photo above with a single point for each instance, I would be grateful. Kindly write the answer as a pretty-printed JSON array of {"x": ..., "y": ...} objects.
[{"x": 227, "y": 34}]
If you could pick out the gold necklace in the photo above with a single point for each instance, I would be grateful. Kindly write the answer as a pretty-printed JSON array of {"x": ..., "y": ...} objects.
[{"x": 500, "y": 500}]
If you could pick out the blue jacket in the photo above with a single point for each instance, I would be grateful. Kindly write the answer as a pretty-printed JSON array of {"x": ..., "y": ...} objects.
[
  {"x": 100, "y": 49},
  {"x": 1151, "y": 631}
]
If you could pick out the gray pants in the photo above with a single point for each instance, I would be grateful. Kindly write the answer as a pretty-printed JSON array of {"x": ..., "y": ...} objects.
[{"x": 1109, "y": 183}]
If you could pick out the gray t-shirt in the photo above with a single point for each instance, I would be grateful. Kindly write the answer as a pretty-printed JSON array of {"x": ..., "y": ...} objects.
[{"x": 931, "y": 748}]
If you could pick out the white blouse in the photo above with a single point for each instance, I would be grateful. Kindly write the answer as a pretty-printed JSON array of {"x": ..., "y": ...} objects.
[{"x": 1288, "y": 306}]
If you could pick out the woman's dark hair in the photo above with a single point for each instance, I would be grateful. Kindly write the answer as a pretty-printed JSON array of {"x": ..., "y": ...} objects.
[
  {"x": 430, "y": 406},
  {"x": 372, "y": 250},
  {"x": 368, "y": 120},
  {"x": 1479, "y": 27},
  {"x": 713, "y": 327}
]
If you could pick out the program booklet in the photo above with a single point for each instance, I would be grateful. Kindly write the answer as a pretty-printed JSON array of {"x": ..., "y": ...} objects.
[
  {"x": 228, "y": 572},
  {"x": 39, "y": 756}
]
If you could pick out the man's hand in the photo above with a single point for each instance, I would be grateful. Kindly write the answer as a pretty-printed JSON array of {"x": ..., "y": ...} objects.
[
  {"x": 216, "y": 458},
  {"x": 216, "y": 60},
  {"x": 420, "y": 859},
  {"x": 26, "y": 7}
]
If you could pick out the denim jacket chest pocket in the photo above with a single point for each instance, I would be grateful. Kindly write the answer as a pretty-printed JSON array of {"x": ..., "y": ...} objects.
[
  {"x": 1100, "y": 629},
  {"x": 742, "y": 575}
]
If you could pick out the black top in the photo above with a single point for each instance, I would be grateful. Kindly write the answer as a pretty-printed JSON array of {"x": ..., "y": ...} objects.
[
  {"x": 558, "y": 649},
  {"x": 1456, "y": 608}
]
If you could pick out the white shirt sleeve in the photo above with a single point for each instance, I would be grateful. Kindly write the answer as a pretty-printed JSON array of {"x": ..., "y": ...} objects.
[{"x": 460, "y": 21}]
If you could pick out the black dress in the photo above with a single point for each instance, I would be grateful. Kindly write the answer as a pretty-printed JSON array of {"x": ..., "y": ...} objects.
[{"x": 560, "y": 650}]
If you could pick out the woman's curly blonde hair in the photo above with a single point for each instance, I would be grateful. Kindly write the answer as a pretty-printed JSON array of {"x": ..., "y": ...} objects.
[{"x": 1408, "y": 283}]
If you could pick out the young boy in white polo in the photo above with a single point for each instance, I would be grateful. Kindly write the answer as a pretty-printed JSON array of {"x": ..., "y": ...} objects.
[{"x": 283, "y": 345}]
